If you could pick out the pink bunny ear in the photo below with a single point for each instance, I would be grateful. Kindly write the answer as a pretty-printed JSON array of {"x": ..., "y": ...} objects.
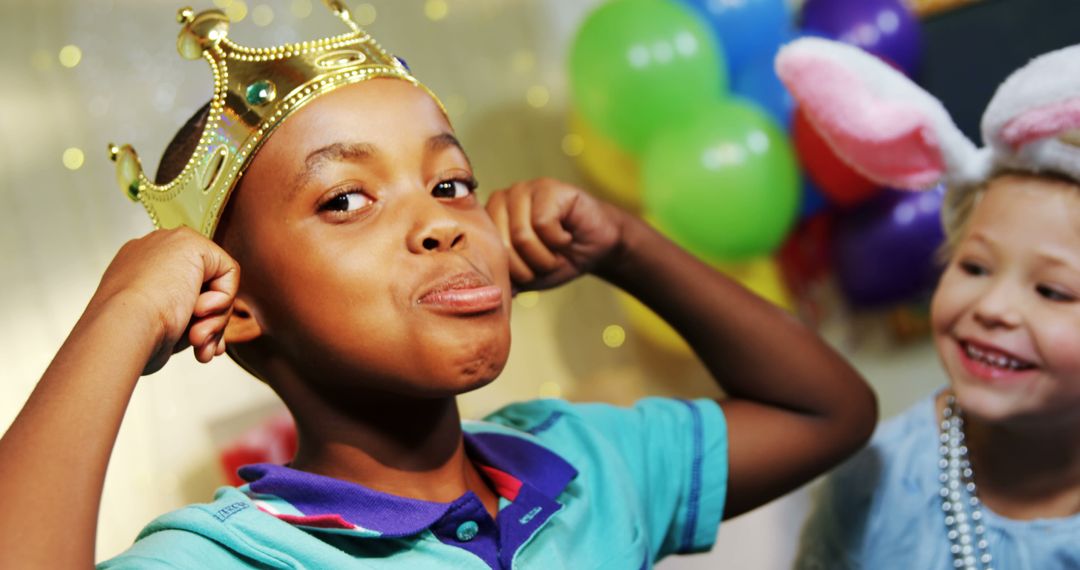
[
  {"x": 874, "y": 117},
  {"x": 1033, "y": 121},
  {"x": 1042, "y": 122}
]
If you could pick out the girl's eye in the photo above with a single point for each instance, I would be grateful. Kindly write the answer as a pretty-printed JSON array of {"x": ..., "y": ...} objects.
[
  {"x": 973, "y": 269},
  {"x": 1052, "y": 294},
  {"x": 346, "y": 202},
  {"x": 453, "y": 189}
]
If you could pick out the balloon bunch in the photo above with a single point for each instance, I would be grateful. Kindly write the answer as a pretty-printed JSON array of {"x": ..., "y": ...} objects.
[{"x": 681, "y": 117}]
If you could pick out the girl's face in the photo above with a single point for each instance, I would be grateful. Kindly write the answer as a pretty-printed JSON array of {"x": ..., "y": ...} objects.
[
  {"x": 1006, "y": 315},
  {"x": 366, "y": 257}
]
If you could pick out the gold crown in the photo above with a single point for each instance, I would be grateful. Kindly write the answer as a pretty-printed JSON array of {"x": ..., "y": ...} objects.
[{"x": 255, "y": 89}]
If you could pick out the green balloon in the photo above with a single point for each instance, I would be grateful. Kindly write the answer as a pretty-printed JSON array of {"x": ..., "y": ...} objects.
[
  {"x": 725, "y": 185},
  {"x": 638, "y": 65}
]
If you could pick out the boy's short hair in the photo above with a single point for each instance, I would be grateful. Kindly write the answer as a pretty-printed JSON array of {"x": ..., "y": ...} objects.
[{"x": 182, "y": 146}]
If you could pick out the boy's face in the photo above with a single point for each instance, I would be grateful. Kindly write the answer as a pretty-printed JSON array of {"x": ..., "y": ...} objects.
[
  {"x": 1006, "y": 315},
  {"x": 366, "y": 257}
]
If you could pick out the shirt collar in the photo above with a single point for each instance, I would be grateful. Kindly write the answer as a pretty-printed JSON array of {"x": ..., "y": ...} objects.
[{"x": 511, "y": 462}]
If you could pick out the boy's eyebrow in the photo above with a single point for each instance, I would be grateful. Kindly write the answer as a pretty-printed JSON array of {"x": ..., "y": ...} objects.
[
  {"x": 360, "y": 152},
  {"x": 444, "y": 141},
  {"x": 337, "y": 151}
]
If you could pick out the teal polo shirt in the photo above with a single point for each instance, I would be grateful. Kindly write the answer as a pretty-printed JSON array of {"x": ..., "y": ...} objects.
[{"x": 580, "y": 486}]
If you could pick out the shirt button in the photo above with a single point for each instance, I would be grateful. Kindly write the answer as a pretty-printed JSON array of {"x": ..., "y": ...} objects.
[{"x": 467, "y": 530}]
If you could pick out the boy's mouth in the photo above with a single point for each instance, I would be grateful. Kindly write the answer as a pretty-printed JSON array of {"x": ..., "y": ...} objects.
[{"x": 464, "y": 293}]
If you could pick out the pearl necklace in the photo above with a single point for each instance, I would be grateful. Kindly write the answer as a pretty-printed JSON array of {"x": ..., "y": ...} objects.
[{"x": 963, "y": 518}]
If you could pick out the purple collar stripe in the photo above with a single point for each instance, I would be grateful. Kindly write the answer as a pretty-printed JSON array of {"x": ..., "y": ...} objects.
[
  {"x": 328, "y": 503},
  {"x": 531, "y": 463},
  {"x": 314, "y": 495}
]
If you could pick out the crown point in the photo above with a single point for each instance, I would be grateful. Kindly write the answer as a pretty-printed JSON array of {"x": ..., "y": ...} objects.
[
  {"x": 185, "y": 15},
  {"x": 114, "y": 152},
  {"x": 203, "y": 31}
]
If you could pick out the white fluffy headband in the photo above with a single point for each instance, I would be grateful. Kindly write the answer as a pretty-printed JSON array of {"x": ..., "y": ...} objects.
[{"x": 895, "y": 133}]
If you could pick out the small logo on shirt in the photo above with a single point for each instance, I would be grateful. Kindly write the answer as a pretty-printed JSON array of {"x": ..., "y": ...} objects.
[
  {"x": 230, "y": 510},
  {"x": 530, "y": 515}
]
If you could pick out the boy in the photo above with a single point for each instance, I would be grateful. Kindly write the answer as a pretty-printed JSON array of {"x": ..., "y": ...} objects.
[{"x": 375, "y": 289}]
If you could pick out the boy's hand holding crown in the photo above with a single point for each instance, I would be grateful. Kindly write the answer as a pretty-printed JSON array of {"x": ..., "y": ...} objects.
[{"x": 177, "y": 283}]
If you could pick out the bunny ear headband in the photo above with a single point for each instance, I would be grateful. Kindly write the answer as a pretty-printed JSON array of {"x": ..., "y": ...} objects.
[{"x": 895, "y": 133}]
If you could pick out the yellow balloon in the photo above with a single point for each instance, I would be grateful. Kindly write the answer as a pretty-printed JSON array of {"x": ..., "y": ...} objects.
[
  {"x": 761, "y": 276},
  {"x": 611, "y": 170},
  {"x": 651, "y": 327}
]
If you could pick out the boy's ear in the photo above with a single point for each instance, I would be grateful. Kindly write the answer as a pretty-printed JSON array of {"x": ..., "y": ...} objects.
[{"x": 242, "y": 326}]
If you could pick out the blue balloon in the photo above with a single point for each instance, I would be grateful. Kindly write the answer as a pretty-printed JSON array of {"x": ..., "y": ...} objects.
[
  {"x": 813, "y": 201},
  {"x": 759, "y": 83},
  {"x": 748, "y": 29},
  {"x": 885, "y": 28}
]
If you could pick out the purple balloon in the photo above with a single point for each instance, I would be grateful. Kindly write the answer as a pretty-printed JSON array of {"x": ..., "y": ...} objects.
[
  {"x": 885, "y": 251},
  {"x": 885, "y": 28}
]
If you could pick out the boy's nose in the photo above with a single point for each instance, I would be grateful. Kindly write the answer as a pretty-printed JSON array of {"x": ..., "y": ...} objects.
[{"x": 437, "y": 235}]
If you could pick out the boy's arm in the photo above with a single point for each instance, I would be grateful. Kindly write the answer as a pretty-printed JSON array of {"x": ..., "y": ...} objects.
[
  {"x": 160, "y": 294},
  {"x": 794, "y": 407}
]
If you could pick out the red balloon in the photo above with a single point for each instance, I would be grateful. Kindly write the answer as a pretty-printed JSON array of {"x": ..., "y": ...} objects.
[
  {"x": 806, "y": 256},
  {"x": 838, "y": 181}
]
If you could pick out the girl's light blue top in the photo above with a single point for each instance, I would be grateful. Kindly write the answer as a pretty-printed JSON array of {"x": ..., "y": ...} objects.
[{"x": 882, "y": 510}]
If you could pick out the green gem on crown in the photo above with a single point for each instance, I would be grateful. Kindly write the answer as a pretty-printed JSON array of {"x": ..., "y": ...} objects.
[{"x": 261, "y": 92}]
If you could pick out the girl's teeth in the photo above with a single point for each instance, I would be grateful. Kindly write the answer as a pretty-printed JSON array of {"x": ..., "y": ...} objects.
[{"x": 997, "y": 360}]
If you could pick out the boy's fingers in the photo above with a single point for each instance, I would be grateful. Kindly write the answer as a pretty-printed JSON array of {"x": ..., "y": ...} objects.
[
  {"x": 220, "y": 271},
  {"x": 522, "y": 234},
  {"x": 497, "y": 209},
  {"x": 208, "y": 330},
  {"x": 548, "y": 211},
  {"x": 210, "y": 303},
  {"x": 205, "y": 353}
]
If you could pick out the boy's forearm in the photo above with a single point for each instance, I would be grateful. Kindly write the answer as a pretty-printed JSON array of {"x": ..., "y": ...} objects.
[
  {"x": 753, "y": 348},
  {"x": 54, "y": 456},
  {"x": 800, "y": 407}
]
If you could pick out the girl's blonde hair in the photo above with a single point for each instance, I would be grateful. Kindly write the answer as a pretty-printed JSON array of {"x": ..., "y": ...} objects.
[{"x": 960, "y": 202}]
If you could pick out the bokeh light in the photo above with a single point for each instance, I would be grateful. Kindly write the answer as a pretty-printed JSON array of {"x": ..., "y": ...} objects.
[
  {"x": 237, "y": 11},
  {"x": 537, "y": 96},
  {"x": 300, "y": 8},
  {"x": 262, "y": 15},
  {"x": 436, "y": 10},
  {"x": 365, "y": 14},
  {"x": 73, "y": 158},
  {"x": 549, "y": 390},
  {"x": 573, "y": 144},
  {"x": 70, "y": 55},
  {"x": 614, "y": 336}
]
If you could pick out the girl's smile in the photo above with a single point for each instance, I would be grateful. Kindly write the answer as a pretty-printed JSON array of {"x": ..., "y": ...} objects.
[
  {"x": 993, "y": 364},
  {"x": 1006, "y": 315}
]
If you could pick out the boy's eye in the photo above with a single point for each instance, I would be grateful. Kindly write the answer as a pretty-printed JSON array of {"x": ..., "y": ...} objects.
[
  {"x": 973, "y": 269},
  {"x": 453, "y": 189},
  {"x": 346, "y": 202},
  {"x": 1052, "y": 294}
]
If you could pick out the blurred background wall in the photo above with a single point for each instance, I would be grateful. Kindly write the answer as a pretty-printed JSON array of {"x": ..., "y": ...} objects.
[{"x": 80, "y": 74}]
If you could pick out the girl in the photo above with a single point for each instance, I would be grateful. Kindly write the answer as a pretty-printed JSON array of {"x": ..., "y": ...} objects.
[
  {"x": 986, "y": 473},
  {"x": 375, "y": 289}
]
